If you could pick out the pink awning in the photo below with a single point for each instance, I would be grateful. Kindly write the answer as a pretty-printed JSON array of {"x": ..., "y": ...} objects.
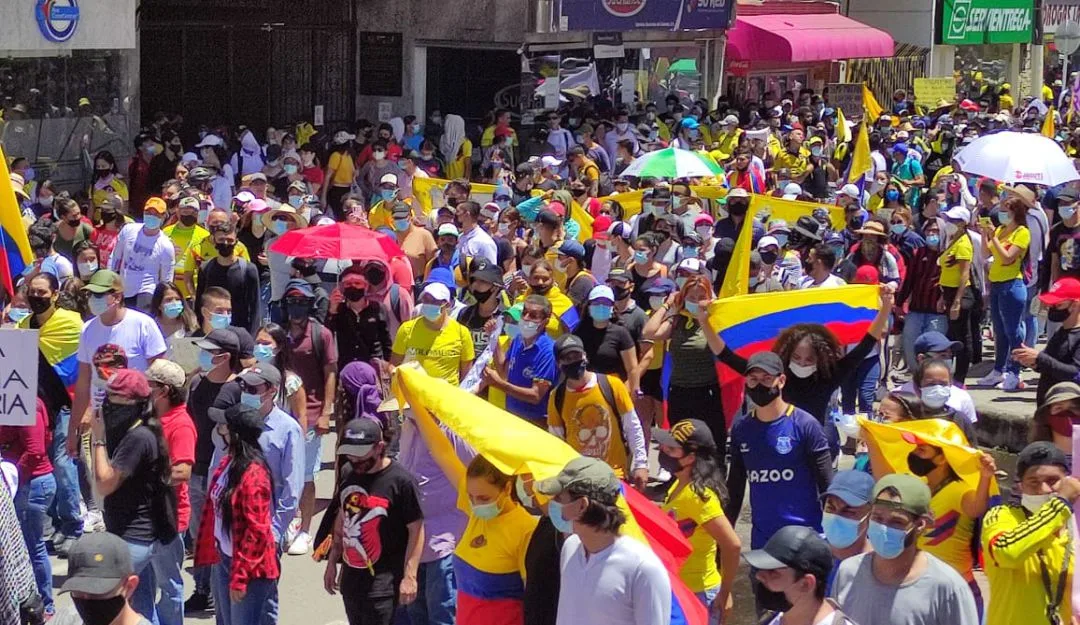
[{"x": 804, "y": 38}]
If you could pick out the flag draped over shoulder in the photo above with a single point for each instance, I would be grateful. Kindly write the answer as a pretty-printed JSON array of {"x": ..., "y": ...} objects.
[
  {"x": 58, "y": 341},
  {"x": 517, "y": 447},
  {"x": 16, "y": 244}
]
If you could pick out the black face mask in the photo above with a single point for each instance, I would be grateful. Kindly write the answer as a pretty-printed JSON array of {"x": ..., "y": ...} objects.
[
  {"x": 118, "y": 420},
  {"x": 1057, "y": 315},
  {"x": 762, "y": 395},
  {"x": 225, "y": 249},
  {"x": 668, "y": 463},
  {"x": 920, "y": 466},
  {"x": 737, "y": 209},
  {"x": 38, "y": 304},
  {"x": 74, "y": 223},
  {"x": 354, "y": 294},
  {"x": 769, "y": 257},
  {"x": 541, "y": 290},
  {"x": 663, "y": 235},
  {"x": 773, "y": 600},
  {"x": 452, "y": 202},
  {"x": 298, "y": 312},
  {"x": 854, "y": 223},
  {"x": 621, "y": 294},
  {"x": 99, "y": 611},
  {"x": 482, "y": 296},
  {"x": 188, "y": 220},
  {"x": 573, "y": 371}
]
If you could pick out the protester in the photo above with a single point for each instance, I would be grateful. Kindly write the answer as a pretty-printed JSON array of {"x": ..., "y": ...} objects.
[
  {"x": 144, "y": 256},
  {"x": 1059, "y": 361},
  {"x": 934, "y": 345},
  {"x": 1006, "y": 247},
  {"x": 102, "y": 582},
  {"x": 845, "y": 515}
]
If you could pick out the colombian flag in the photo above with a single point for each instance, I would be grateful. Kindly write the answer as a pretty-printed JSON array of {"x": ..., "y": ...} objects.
[
  {"x": 517, "y": 447},
  {"x": 58, "y": 341},
  {"x": 16, "y": 245}
]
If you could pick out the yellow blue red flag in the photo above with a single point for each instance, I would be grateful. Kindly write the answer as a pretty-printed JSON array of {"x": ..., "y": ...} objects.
[{"x": 17, "y": 255}]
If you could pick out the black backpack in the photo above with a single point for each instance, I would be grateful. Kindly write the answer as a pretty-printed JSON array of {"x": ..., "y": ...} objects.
[{"x": 609, "y": 397}]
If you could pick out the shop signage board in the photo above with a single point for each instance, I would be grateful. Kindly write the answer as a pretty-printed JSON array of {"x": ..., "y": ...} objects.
[
  {"x": 623, "y": 15},
  {"x": 973, "y": 22},
  {"x": 847, "y": 96},
  {"x": 928, "y": 91},
  {"x": 56, "y": 27},
  {"x": 382, "y": 58},
  {"x": 18, "y": 377}
]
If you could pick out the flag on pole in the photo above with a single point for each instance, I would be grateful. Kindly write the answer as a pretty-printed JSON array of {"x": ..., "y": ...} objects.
[
  {"x": 17, "y": 256},
  {"x": 1048, "y": 127},
  {"x": 861, "y": 163},
  {"x": 870, "y": 104},
  {"x": 737, "y": 278},
  {"x": 843, "y": 133}
]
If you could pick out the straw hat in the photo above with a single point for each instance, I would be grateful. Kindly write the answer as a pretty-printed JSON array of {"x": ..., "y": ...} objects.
[
  {"x": 873, "y": 228},
  {"x": 268, "y": 217}
]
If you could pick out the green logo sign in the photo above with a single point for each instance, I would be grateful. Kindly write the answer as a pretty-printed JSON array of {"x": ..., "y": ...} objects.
[{"x": 971, "y": 22}]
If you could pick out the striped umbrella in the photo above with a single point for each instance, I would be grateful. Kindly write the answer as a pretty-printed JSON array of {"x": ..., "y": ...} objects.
[{"x": 673, "y": 163}]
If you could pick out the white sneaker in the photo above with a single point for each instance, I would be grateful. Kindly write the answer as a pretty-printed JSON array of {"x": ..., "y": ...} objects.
[
  {"x": 993, "y": 378},
  {"x": 1012, "y": 382},
  {"x": 292, "y": 531},
  {"x": 300, "y": 544},
  {"x": 662, "y": 475},
  {"x": 93, "y": 521}
]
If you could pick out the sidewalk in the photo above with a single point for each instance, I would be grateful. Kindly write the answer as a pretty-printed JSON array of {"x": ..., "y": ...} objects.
[{"x": 1004, "y": 417}]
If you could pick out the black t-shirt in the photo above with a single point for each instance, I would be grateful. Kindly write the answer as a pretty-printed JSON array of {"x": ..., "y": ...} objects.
[
  {"x": 128, "y": 511},
  {"x": 201, "y": 398},
  {"x": 634, "y": 320},
  {"x": 377, "y": 509},
  {"x": 603, "y": 346},
  {"x": 503, "y": 251},
  {"x": 1065, "y": 242},
  {"x": 473, "y": 319},
  {"x": 241, "y": 280},
  {"x": 541, "y": 597}
]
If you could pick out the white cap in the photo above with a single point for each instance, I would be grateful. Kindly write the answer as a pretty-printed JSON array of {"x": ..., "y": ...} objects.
[
  {"x": 902, "y": 135},
  {"x": 693, "y": 265},
  {"x": 731, "y": 120},
  {"x": 343, "y": 137},
  {"x": 447, "y": 229},
  {"x": 758, "y": 135},
  {"x": 437, "y": 291},
  {"x": 244, "y": 197},
  {"x": 601, "y": 291},
  {"x": 958, "y": 213},
  {"x": 738, "y": 192},
  {"x": 767, "y": 241},
  {"x": 210, "y": 141},
  {"x": 550, "y": 161},
  {"x": 189, "y": 157},
  {"x": 850, "y": 190},
  {"x": 388, "y": 179},
  {"x": 793, "y": 188}
]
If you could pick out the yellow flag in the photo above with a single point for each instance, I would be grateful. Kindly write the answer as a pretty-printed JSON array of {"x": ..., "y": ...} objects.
[
  {"x": 843, "y": 133},
  {"x": 1048, "y": 127},
  {"x": 870, "y": 104},
  {"x": 737, "y": 278},
  {"x": 860, "y": 158}
]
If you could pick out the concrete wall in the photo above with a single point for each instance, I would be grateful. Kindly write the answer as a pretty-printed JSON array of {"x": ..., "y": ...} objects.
[
  {"x": 908, "y": 21},
  {"x": 102, "y": 25},
  {"x": 464, "y": 23}
]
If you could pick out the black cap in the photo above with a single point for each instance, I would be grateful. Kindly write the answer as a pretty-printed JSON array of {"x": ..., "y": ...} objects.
[
  {"x": 619, "y": 274},
  {"x": 549, "y": 218},
  {"x": 768, "y": 362},
  {"x": 808, "y": 227},
  {"x": 97, "y": 563},
  {"x": 567, "y": 344},
  {"x": 487, "y": 271},
  {"x": 238, "y": 415},
  {"x": 1068, "y": 195},
  {"x": 262, "y": 373},
  {"x": 1038, "y": 454},
  {"x": 686, "y": 433},
  {"x": 245, "y": 340},
  {"x": 796, "y": 547},
  {"x": 360, "y": 437},
  {"x": 223, "y": 339}
]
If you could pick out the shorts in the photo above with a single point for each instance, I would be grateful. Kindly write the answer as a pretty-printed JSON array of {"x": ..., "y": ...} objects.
[
  {"x": 312, "y": 455},
  {"x": 650, "y": 384}
]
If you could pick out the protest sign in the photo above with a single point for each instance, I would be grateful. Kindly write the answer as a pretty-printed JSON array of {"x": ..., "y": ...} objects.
[
  {"x": 18, "y": 376},
  {"x": 848, "y": 97},
  {"x": 928, "y": 91}
]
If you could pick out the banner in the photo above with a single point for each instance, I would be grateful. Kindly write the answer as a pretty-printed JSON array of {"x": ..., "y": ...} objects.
[
  {"x": 973, "y": 22},
  {"x": 929, "y": 91},
  {"x": 623, "y": 15},
  {"x": 18, "y": 376},
  {"x": 847, "y": 97}
]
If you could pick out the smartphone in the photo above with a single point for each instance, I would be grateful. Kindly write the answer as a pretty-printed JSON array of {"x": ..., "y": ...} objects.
[{"x": 985, "y": 222}]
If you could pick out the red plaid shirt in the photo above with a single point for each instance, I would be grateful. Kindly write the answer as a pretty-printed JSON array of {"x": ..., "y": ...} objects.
[{"x": 254, "y": 552}]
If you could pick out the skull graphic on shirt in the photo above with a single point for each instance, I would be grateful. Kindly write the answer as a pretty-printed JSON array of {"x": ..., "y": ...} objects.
[{"x": 363, "y": 513}]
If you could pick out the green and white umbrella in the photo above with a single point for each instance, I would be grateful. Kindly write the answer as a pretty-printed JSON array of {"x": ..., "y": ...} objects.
[{"x": 673, "y": 163}]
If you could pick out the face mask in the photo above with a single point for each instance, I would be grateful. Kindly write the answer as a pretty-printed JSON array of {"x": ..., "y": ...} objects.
[
  {"x": 401, "y": 225},
  {"x": 888, "y": 542},
  {"x": 504, "y": 228},
  {"x": 511, "y": 330},
  {"x": 29, "y": 174},
  {"x": 841, "y": 532},
  {"x": 485, "y": 511},
  {"x": 279, "y": 227},
  {"x": 1058, "y": 315},
  {"x": 555, "y": 513},
  {"x": 431, "y": 312},
  {"x": 251, "y": 400},
  {"x": 574, "y": 371},
  {"x": 621, "y": 127},
  {"x": 263, "y": 352},
  {"x": 950, "y": 229},
  {"x": 354, "y": 294},
  {"x": 225, "y": 250},
  {"x": 621, "y": 294},
  {"x": 920, "y": 466},
  {"x": 641, "y": 257},
  {"x": 671, "y": 464},
  {"x": 815, "y": 151},
  {"x": 773, "y": 600},
  {"x": 46, "y": 201},
  {"x": 737, "y": 209},
  {"x": 705, "y": 232},
  {"x": 98, "y": 305},
  {"x": 935, "y": 396},
  {"x": 482, "y": 296},
  {"x": 99, "y": 611},
  {"x": 762, "y": 395},
  {"x": 600, "y": 312},
  {"x": 897, "y": 229},
  {"x": 1033, "y": 502},
  {"x": 291, "y": 169},
  {"x": 656, "y": 301},
  {"x": 802, "y": 371},
  {"x": 152, "y": 222},
  {"x": 769, "y": 258},
  {"x": 379, "y": 156},
  {"x": 220, "y": 321},
  {"x": 18, "y": 314},
  {"x": 296, "y": 201},
  {"x": 1067, "y": 212},
  {"x": 782, "y": 239},
  {"x": 206, "y": 360},
  {"x": 690, "y": 251},
  {"x": 38, "y": 304},
  {"x": 1005, "y": 217},
  {"x": 933, "y": 241},
  {"x": 173, "y": 309},
  {"x": 541, "y": 290},
  {"x": 693, "y": 308},
  {"x": 529, "y": 329},
  {"x": 387, "y": 194}
]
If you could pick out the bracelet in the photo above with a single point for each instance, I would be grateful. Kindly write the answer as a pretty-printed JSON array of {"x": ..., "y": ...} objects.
[{"x": 98, "y": 443}]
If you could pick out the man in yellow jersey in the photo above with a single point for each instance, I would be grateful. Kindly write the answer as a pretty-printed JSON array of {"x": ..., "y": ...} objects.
[
  {"x": 792, "y": 164},
  {"x": 442, "y": 346},
  {"x": 185, "y": 235},
  {"x": 204, "y": 250},
  {"x": 1029, "y": 555}
]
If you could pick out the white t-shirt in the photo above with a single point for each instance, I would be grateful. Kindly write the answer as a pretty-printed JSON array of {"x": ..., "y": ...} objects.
[
  {"x": 959, "y": 400},
  {"x": 831, "y": 281},
  {"x": 137, "y": 334},
  {"x": 58, "y": 266},
  {"x": 142, "y": 260},
  {"x": 476, "y": 242},
  {"x": 625, "y": 584}
]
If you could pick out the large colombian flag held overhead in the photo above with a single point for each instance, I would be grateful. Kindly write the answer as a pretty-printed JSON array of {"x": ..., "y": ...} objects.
[{"x": 16, "y": 245}]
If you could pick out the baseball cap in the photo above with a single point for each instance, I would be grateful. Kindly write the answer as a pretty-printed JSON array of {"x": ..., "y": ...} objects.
[
  {"x": 297, "y": 287},
  {"x": 549, "y": 218},
  {"x": 792, "y": 189},
  {"x": 914, "y": 493},
  {"x": 220, "y": 339},
  {"x": 514, "y": 312},
  {"x": 488, "y": 272},
  {"x": 581, "y": 471},
  {"x": 852, "y": 487},
  {"x": 730, "y": 120},
  {"x": 298, "y": 185},
  {"x": 934, "y": 341},
  {"x": 156, "y": 205},
  {"x": 390, "y": 178},
  {"x": 165, "y": 372},
  {"x": 769, "y": 362},
  {"x": 659, "y": 286},
  {"x": 573, "y": 249},
  {"x": 189, "y": 202},
  {"x": 850, "y": 190},
  {"x": 104, "y": 281},
  {"x": 97, "y": 563},
  {"x": 447, "y": 230},
  {"x": 737, "y": 192},
  {"x": 795, "y": 547},
  {"x": 601, "y": 292},
  {"x": 600, "y": 227},
  {"x": 703, "y": 219},
  {"x": 1068, "y": 195},
  {"x": 688, "y": 432},
  {"x": 210, "y": 141},
  {"x": 360, "y": 437},
  {"x": 1064, "y": 290},
  {"x": 619, "y": 274},
  {"x": 255, "y": 177},
  {"x": 900, "y": 147},
  {"x": 622, "y": 230},
  {"x": 693, "y": 265},
  {"x": 767, "y": 241},
  {"x": 568, "y": 344},
  {"x": 128, "y": 383},
  {"x": 437, "y": 291},
  {"x": 958, "y": 213},
  {"x": 238, "y": 415},
  {"x": 550, "y": 161},
  {"x": 262, "y": 373},
  {"x": 1037, "y": 454}
]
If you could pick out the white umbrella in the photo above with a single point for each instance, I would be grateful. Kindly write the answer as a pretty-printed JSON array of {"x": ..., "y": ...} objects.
[{"x": 1013, "y": 157}]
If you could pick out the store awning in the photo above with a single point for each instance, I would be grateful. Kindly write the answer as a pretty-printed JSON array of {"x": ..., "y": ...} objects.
[{"x": 804, "y": 38}]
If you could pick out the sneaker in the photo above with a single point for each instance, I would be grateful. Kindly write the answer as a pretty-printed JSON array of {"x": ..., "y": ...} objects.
[
  {"x": 199, "y": 602},
  {"x": 64, "y": 547},
  {"x": 300, "y": 544},
  {"x": 293, "y": 531},
  {"x": 94, "y": 521},
  {"x": 662, "y": 475},
  {"x": 1012, "y": 382},
  {"x": 993, "y": 378}
]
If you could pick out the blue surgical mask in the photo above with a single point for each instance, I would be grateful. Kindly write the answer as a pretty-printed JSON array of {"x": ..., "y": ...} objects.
[
  {"x": 206, "y": 360},
  {"x": 220, "y": 321},
  {"x": 897, "y": 229},
  {"x": 279, "y": 227},
  {"x": 386, "y": 194},
  {"x": 18, "y": 314},
  {"x": 296, "y": 201},
  {"x": 263, "y": 352},
  {"x": 431, "y": 312},
  {"x": 485, "y": 511},
  {"x": 600, "y": 312},
  {"x": 29, "y": 174},
  {"x": 555, "y": 510},
  {"x": 503, "y": 203},
  {"x": 892, "y": 195},
  {"x": 692, "y": 308},
  {"x": 511, "y": 330},
  {"x": 933, "y": 241},
  {"x": 689, "y": 251},
  {"x": 251, "y": 400},
  {"x": 291, "y": 169},
  {"x": 152, "y": 222},
  {"x": 641, "y": 257},
  {"x": 841, "y": 532},
  {"x": 1066, "y": 212},
  {"x": 888, "y": 542},
  {"x": 815, "y": 151},
  {"x": 173, "y": 309},
  {"x": 529, "y": 329},
  {"x": 935, "y": 396},
  {"x": 782, "y": 239},
  {"x": 401, "y": 225},
  {"x": 1005, "y": 217},
  {"x": 98, "y": 304},
  {"x": 681, "y": 281}
]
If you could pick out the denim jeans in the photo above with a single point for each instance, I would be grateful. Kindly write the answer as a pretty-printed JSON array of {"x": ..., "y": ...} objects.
[
  {"x": 862, "y": 384},
  {"x": 706, "y": 597},
  {"x": 197, "y": 497},
  {"x": 163, "y": 573},
  {"x": 273, "y": 601},
  {"x": 437, "y": 599},
  {"x": 65, "y": 509},
  {"x": 1031, "y": 322},
  {"x": 31, "y": 503},
  {"x": 918, "y": 323},
  {"x": 1007, "y": 303},
  {"x": 247, "y": 611}
]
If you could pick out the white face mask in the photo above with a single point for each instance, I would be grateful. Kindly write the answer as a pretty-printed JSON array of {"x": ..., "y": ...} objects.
[
  {"x": 802, "y": 371},
  {"x": 705, "y": 232},
  {"x": 1033, "y": 502}
]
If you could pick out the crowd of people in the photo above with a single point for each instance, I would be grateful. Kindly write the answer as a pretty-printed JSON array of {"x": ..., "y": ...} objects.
[{"x": 208, "y": 367}]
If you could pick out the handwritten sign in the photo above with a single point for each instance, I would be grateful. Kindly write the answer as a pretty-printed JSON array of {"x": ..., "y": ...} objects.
[
  {"x": 929, "y": 91},
  {"x": 847, "y": 97},
  {"x": 18, "y": 377}
]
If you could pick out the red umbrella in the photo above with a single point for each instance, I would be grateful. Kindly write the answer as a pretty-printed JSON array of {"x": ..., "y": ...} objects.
[{"x": 338, "y": 241}]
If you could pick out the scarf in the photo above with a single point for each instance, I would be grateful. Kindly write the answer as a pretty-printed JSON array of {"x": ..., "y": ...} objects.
[
  {"x": 362, "y": 384},
  {"x": 453, "y": 137}
]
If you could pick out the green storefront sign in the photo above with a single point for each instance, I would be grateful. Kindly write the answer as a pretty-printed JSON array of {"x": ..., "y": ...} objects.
[{"x": 971, "y": 22}]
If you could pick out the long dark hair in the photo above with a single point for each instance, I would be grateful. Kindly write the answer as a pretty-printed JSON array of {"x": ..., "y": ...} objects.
[
  {"x": 827, "y": 349},
  {"x": 108, "y": 157},
  {"x": 705, "y": 474},
  {"x": 244, "y": 451},
  {"x": 283, "y": 358}
]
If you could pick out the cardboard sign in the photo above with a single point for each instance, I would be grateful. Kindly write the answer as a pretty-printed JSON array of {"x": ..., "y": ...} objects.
[
  {"x": 848, "y": 97},
  {"x": 18, "y": 376},
  {"x": 928, "y": 91}
]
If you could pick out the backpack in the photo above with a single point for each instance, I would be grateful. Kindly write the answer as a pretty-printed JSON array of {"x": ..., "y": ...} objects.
[{"x": 609, "y": 398}]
